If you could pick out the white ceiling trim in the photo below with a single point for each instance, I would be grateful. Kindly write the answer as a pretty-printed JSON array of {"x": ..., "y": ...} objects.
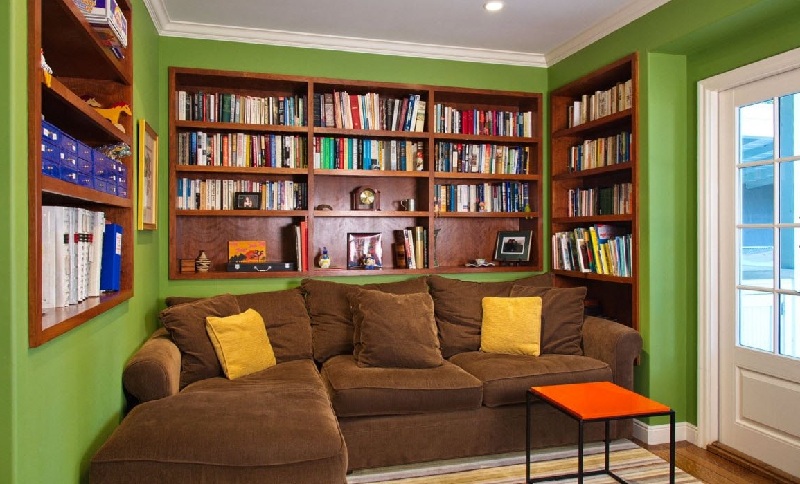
[
  {"x": 599, "y": 30},
  {"x": 169, "y": 28}
]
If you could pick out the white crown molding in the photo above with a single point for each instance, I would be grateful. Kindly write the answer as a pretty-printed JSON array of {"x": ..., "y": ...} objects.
[
  {"x": 168, "y": 28},
  {"x": 633, "y": 11}
]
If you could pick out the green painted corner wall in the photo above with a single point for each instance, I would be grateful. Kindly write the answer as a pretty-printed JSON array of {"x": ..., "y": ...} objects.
[
  {"x": 318, "y": 63},
  {"x": 64, "y": 398}
]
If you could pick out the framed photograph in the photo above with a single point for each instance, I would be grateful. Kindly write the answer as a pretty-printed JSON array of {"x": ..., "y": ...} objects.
[
  {"x": 247, "y": 200},
  {"x": 148, "y": 176},
  {"x": 364, "y": 251},
  {"x": 513, "y": 246}
]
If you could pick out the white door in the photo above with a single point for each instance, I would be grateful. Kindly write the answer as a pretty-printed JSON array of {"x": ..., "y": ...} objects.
[{"x": 759, "y": 233}]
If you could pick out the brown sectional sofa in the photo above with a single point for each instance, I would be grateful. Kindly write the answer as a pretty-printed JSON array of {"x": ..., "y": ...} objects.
[{"x": 321, "y": 412}]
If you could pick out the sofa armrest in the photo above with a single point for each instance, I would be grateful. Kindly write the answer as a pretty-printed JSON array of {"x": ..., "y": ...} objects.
[
  {"x": 615, "y": 344},
  {"x": 154, "y": 371}
]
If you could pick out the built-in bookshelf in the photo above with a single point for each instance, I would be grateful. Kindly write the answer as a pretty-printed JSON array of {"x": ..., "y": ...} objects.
[
  {"x": 594, "y": 187},
  {"x": 352, "y": 154},
  {"x": 83, "y": 66}
]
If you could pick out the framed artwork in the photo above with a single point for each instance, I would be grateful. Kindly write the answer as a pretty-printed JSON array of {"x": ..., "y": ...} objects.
[
  {"x": 246, "y": 200},
  {"x": 364, "y": 251},
  {"x": 148, "y": 176},
  {"x": 513, "y": 246}
]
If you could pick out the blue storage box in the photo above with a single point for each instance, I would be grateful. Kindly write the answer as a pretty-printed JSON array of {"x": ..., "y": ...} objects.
[
  {"x": 68, "y": 144},
  {"x": 69, "y": 160},
  {"x": 84, "y": 151},
  {"x": 100, "y": 185},
  {"x": 103, "y": 167},
  {"x": 51, "y": 168},
  {"x": 111, "y": 188},
  {"x": 51, "y": 152},
  {"x": 84, "y": 180},
  {"x": 122, "y": 191},
  {"x": 85, "y": 166},
  {"x": 68, "y": 175},
  {"x": 50, "y": 133}
]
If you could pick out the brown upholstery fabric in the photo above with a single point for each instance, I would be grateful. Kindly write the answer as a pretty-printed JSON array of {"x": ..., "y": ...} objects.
[
  {"x": 357, "y": 391},
  {"x": 286, "y": 319},
  {"x": 614, "y": 344},
  {"x": 562, "y": 317},
  {"x": 538, "y": 280},
  {"x": 154, "y": 371},
  {"x": 255, "y": 429},
  {"x": 328, "y": 305},
  {"x": 506, "y": 378},
  {"x": 394, "y": 330},
  {"x": 186, "y": 324},
  {"x": 458, "y": 311}
]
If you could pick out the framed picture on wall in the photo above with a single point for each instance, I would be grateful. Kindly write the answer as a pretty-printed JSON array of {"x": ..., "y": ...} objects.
[
  {"x": 364, "y": 251},
  {"x": 148, "y": 176}
]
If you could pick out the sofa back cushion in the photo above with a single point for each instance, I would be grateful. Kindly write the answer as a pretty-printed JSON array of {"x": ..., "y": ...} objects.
[
  {"x": 562, "y": 317},
  {"x": 328, "y": 305},
  {"x": 285, "y": 317},
  {"x": 186, "y": 324},
  {"x": 459, "y": 313}
]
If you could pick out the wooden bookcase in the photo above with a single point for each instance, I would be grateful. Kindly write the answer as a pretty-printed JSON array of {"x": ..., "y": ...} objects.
[
  {"x": 617, "y": 295},
  {"x": 458, "y": 236},
  {"x": 82, "y": 66}
]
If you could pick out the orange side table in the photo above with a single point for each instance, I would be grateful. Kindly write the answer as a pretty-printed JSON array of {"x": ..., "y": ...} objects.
[{"x": 593, "y": 402}]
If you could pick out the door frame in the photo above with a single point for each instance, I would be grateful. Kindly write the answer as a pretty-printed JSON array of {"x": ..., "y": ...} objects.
[{"x": 708, "y": 300}]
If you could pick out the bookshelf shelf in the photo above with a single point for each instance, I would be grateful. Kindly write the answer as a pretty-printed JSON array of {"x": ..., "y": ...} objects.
[
  {"x": 82, "y": 67},
  {"x": 612, "y": 89},
  {"x": 362, "y": 103}
]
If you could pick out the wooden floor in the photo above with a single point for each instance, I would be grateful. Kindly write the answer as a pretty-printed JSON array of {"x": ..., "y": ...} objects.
[{"x": 709, "y": 467}]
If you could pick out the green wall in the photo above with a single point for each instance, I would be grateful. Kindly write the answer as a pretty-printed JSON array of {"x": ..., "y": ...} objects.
[
  {"x": 318, "y": 63},
  {"x": 61, "y": 400}
]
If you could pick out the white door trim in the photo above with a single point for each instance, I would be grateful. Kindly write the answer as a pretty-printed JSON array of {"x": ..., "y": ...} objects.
[{"x": 708, "y": 91}]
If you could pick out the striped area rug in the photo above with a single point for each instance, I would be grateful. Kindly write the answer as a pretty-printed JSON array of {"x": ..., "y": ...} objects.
[{"x": 629, "y": 461}]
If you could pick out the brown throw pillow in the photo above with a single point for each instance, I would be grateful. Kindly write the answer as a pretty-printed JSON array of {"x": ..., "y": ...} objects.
[
  {"x": 186, "y": 324},
  {"x": 458, "y": 311},
  {"x": 286, "y": 319},
  {"x": 395, "y": 330},
  {"x": 328, "y": 306},
  {"x": 562, "y": 317}
]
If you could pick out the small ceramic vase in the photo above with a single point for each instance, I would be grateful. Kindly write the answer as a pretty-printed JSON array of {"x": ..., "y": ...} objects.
[{"x": 202, "y": 263}]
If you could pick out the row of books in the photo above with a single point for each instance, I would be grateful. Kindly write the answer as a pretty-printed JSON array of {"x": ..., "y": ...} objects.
[
  {"x": 216, "y": 107},
  {"x": 585, "y": 202},
  {"x": 241, "y": 149},
  {"x": 600, "y": 249},
  {"x": 368, "y": 154},
  {"x": 81, "y": 256},
  {"x": 339, "y": 109},
  {"x": 482, "y": 197},
  {"x": 596, "y": 153},
  {"x": 410, "y": 248},
  {"x": 482, "y": 122},
  {"x": 194, "y": 194},
  {"x": 600, "y": 104},
  {"x": 481, "y": 158}
]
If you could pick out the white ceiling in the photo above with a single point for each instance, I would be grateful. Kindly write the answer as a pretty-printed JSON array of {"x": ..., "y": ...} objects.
[{"x": 525, "y": 32}]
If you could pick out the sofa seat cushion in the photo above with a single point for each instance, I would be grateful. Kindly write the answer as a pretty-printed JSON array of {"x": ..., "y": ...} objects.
[
  {"x": 254, "y": 429},
  {"x": 357, "y": 391},
  {"x": 506, "y": 378}
]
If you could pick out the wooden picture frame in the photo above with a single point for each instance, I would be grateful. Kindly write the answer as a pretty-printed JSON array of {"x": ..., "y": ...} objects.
[
  {"x": 148, "y": 177},
  {"x": 246, "y": 200},
  {"x": 364, "y": 251},
  {"x": 513, "y": 246}
]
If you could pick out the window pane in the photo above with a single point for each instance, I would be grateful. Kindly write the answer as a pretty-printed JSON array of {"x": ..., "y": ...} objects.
[
  {"x": 789, "y": 192},
  {"x": 790, "y": 325},
  {"x": 789, "y": 125},
  {"x": 757, "y": 194},
  {"x": 787, "y": 264},
  {"x": 755, "y": 320},
  {"x": 756, "y": 258},
  {"x": 756, "y": 132}
]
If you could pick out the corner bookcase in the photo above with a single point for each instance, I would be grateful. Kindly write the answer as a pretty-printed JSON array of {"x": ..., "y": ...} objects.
[
  {"x": 294, "y": 135},
  {"x": 82, "y": 66},
  {"x": 595, "y": 187}
]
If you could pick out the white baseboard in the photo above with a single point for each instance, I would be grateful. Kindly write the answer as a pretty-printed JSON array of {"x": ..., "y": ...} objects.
[{"x": 659, "y": 434}]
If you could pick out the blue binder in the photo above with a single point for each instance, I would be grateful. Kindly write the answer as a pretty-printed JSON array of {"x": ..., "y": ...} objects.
[{"x": 111, "y": 265}]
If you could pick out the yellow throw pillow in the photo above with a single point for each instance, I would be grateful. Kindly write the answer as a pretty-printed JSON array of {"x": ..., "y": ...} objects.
[
  {"x": 241, "y": 343},
  {"x": 511, "y": 325}
]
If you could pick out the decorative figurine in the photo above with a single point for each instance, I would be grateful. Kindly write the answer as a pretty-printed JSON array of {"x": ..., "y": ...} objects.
[
  {"x": 324, "y": 259},
  {"x": 202, "y": 263},
  {"x": 112, "y": 114}
]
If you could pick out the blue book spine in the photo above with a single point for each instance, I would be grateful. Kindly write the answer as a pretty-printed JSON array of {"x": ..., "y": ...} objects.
[{"x": 111, "y": 264}]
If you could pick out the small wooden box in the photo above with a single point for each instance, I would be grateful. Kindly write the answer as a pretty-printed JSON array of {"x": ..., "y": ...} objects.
[{"x": 187, "y": 266}]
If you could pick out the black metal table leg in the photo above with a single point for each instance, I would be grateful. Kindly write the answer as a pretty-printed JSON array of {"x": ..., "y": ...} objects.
[
  {"x": 672, "y": 447},
  {"x": 580, "y": 451},
  {"x": 608, "y": 445},
  {"x": 527, "y": 437}
]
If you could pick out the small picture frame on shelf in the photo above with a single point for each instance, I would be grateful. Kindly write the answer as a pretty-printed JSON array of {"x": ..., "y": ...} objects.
[
  {"x": 364, "y": 251},
  {"x": 513, "y": 246},
  {"x": 246, "y": 201}
]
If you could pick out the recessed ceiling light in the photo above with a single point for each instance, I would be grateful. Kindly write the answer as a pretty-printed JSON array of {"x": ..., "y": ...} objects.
[{"x": 493, "y": 6}]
